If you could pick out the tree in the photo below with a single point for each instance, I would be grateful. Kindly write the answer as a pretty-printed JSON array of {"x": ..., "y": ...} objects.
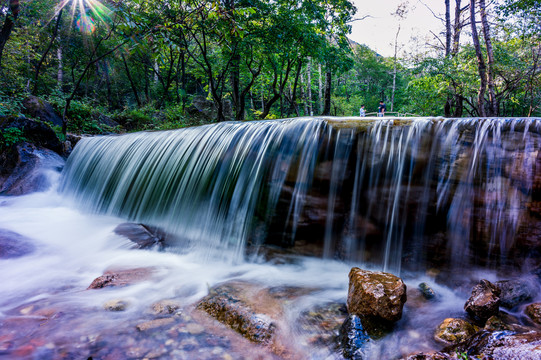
[{"x": 9, "y": 24}]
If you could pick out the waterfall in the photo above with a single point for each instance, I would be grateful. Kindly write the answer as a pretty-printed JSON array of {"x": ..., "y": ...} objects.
[
  {"x": 202, "y": 184},
  {"x": 392, "y": 192}
]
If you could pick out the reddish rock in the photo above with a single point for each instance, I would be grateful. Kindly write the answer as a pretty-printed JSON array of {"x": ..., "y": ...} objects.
[
  {"x": 121, "y": 277},
  {"x": 377, "y": 294},
  {"x": 484, "y": 301}
]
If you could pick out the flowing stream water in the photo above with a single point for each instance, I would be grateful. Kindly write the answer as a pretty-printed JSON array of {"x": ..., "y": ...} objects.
[{"x": 415, "y": 197}]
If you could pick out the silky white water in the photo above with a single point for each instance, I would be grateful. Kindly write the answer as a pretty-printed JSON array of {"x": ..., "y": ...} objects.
[{"x": 74, "y": 247}]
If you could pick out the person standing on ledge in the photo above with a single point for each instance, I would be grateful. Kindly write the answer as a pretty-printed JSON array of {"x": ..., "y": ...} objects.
[
  {"x": 381, "y": 108},
  {"x": 362, "y": 111}
]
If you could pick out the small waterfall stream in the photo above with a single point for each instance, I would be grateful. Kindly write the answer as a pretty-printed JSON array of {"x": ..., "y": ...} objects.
[{"x": 365, "y": 189}]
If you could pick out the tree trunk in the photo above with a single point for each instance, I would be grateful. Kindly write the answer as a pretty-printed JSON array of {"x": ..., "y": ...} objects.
[
  {"x": 328, "y": 88},
  {"x": 183, "y": 78},
  {"x": 309, "y": 81},
  {"x": 110, "y": 101},
  {"x": 493, "y": 105},
  {"x": 457, "y": 27},
  {"x": 448, "y": 34},
  {"x": 133, "y": 87},
  {"x": 277, "y": 93},
  {"x": 60, "y": 73},
  {"x": 293, "y": 103},
  {"x": 235, "y": 86},
  {"x": 480, "y": 63},
  {"x": 394, "y": 67},
  {"x": 9, "y": 24},
  {"x": 320, "y": 88},
  {"x": 44, "y": 56}
]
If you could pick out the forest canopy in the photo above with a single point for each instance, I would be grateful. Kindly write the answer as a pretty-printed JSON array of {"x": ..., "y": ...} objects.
[{"x": 162, "y": 64}]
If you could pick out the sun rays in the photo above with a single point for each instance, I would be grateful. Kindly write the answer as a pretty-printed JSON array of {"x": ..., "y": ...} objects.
[{"x": 85, "y": 13}]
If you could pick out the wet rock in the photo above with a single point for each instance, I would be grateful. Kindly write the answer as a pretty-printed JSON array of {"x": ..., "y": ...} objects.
[
  {"x": 42, "y": 110},
  {"x": 515, "y": 292},
  {"x": 321, "y": 324},
  {"x": 453, "y": 331},
  {"x": 429, "y": 356},
  {"x": 427, "y": 291},
  {"x": 122, "y": 277},
  {"x": 484, "y": 301},
  {"x": 226, "y": 304},
  {"x": 501, "y": 345},
  {"x": 153, "y": 324},
  {"x": 165, "y": 307},
  {"x": 35, "y": 132},
  {"x": 24, "y": 168},
  {"x": 534, "y": 312},
  {"x": 498, "y": 323},
  {"x": 375, "y": 294},
  {"x": 14, "y": 245},
  {"x": 143, "y": 237},
  {"x": 353, "y": 337},
  {"x": 115, "y": 305}
]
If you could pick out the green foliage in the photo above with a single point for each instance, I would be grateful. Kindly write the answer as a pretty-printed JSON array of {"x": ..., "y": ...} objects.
[
  {"x": 426, "y": 95},
  {"x": 144, "y": 61},
  {"x": 10, "y": 105},
  {"x": 11, "y": 136},
  {"x": 136, "y": 118}
]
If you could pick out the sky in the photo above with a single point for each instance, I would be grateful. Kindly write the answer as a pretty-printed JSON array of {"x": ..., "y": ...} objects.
[{"x": 378, "y": 31}]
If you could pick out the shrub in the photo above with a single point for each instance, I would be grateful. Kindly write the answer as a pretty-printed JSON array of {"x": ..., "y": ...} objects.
[{"x": 10, "y": 136}]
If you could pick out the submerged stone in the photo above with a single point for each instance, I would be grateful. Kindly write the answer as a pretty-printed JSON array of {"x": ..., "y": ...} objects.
[
  {"x": 153, "y": 324},
  {"x": 14, "y": 245},
  {"x": 115, "y": 305},
  {"x": 353, "y": 337},
  {"x": 225, "y": 304},
  {"x": 165, "y": 307},
  {"x": 376, "y": 294},
  {"x": 427, "y": 291}
]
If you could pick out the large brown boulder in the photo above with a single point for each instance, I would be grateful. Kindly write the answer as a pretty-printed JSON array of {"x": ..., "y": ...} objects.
[
  {"x": 376, "y": 294},
  {"x": 484, "y": 301}
]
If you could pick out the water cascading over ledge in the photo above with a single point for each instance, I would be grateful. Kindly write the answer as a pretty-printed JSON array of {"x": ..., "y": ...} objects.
[{"x": 396, "y": 193}]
